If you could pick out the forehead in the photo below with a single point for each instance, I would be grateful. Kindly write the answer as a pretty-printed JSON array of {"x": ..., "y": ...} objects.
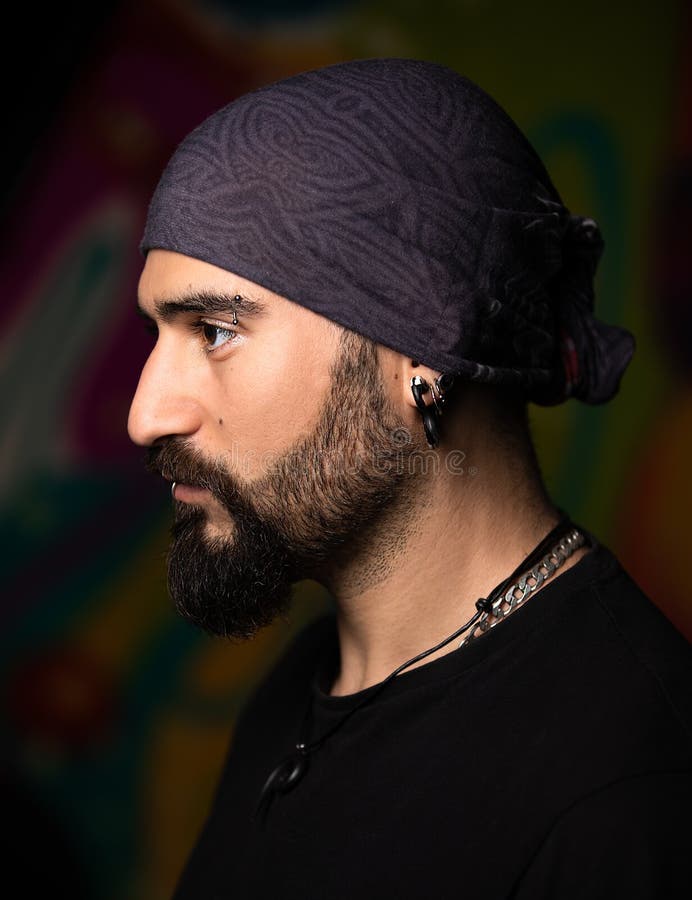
[{"x": 167, "y": 274}]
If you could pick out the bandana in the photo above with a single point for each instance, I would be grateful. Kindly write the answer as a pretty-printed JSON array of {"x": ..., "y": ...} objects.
[{"x": 396, "y": 198}]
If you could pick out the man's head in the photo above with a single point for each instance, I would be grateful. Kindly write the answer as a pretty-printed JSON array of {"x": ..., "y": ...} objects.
[
  {"x": 288, "y": 437},
  {"x": 309, "y": 248}
]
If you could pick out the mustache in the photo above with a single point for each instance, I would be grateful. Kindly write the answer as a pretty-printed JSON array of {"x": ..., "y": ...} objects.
[{"x": 176, "y": 460}]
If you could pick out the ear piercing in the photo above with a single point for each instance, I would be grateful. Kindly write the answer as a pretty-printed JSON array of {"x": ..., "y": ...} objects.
[{"x": 431, "y": 414}]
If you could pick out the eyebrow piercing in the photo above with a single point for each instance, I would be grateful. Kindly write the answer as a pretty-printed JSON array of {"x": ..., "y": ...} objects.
[{"x": 237, "y": 299}]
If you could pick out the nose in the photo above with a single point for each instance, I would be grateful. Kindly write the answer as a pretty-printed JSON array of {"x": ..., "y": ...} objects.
[{"x": 164, "y": 404}]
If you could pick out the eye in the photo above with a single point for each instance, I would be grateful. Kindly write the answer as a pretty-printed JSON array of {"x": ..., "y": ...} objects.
[{"x": 215, "y": 336}]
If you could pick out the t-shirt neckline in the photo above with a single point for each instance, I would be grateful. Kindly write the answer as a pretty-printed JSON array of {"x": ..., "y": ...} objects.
[{"x": 520, "y": 624}]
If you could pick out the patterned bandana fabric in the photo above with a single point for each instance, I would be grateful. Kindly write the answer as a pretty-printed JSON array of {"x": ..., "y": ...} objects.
[{"x": 396, "y": 198}]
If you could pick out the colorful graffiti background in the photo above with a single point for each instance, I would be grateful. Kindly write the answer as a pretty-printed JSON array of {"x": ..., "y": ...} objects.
[{"x": 116, "y": 714}]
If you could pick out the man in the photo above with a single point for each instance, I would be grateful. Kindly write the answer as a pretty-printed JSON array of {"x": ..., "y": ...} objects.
[{"x": 358, "y": 277}]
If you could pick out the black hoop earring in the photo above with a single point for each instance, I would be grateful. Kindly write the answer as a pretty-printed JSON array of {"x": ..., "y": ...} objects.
[
  {"x": 431, "y": 414},
  {"x": 420, "y": 387}
]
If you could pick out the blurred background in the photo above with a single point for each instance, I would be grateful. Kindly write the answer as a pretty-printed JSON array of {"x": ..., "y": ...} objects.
[{"x": 116, "y": 714}]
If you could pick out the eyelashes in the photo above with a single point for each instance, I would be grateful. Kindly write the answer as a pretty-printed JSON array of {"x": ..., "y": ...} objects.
[
  {"x": 212, "y": 335},
  {"x": 210, "y": 332}
]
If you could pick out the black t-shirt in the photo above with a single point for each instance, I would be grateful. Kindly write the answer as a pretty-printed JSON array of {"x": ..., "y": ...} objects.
[{"x": 550, "y": 758}]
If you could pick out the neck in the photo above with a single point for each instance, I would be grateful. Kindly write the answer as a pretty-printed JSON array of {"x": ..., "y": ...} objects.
[{"x": 415, "y": 576}]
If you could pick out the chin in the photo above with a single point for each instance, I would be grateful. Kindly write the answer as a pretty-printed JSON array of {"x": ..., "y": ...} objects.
[{"x": 218, "y": 526}]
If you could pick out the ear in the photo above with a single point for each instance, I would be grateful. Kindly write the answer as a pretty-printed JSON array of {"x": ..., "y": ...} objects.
[{"x": 398, "y": 370}]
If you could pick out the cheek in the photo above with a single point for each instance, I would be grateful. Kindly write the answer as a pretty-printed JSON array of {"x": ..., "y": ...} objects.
[{"x": 269, "y": 400}]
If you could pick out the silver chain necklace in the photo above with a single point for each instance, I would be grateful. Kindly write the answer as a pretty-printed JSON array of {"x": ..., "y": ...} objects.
[{"x": 515, "y": 595}]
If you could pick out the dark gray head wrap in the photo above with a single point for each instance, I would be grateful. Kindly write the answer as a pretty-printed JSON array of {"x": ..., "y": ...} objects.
[{"x": 396, "y": 198}]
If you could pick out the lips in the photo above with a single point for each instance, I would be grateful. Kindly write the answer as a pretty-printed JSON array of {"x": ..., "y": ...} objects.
[
  {"x": 189, "y": 493},
  {"x": 177, "y": 481}
]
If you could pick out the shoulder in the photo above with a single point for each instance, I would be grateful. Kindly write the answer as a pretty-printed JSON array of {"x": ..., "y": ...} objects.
[
  {"x": 628, "y": 838},
  {"x": 649, "y": 649},
  {"x": 596, "y": 686},
  {"x": 616, "y": 688},
  {"x": 611, "y": 647}
]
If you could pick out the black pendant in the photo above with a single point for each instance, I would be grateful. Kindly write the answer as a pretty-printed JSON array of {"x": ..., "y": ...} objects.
[{"x": 283, "y": 778}]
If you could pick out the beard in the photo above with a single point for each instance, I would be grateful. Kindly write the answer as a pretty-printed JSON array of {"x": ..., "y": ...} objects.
[{"x": 316, "y": 505}]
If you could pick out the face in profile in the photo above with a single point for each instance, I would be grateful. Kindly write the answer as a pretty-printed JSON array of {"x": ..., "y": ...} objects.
[{"x": 276, "y": 427}]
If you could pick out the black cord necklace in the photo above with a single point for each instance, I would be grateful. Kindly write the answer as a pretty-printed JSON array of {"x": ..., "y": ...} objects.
[{"x": 292, "y": 769}]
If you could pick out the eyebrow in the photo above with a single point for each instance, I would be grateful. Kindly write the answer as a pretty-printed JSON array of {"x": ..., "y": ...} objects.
[{"x": 204, "y": 303}]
